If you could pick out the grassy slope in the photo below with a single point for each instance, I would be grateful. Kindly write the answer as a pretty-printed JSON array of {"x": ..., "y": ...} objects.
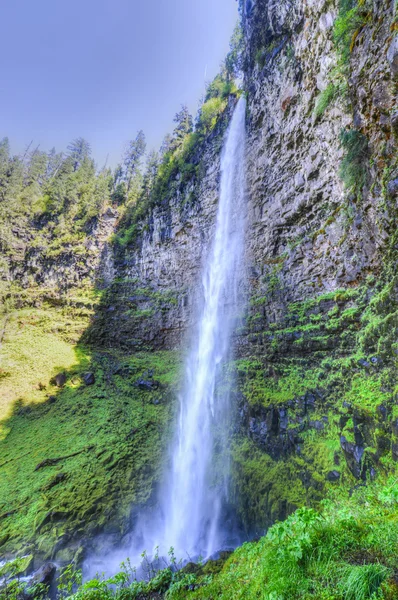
[
  {"x": 32, "y": 352},
  {"x": 345, "y": 551},
  {"x": 116, "y": 431}
]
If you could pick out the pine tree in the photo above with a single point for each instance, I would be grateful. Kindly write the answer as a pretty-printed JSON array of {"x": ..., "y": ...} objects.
[
  {"x": 151, "y": 171},
  {"x": 166, "y": 145},
  {"x": 184, "y": 126},
  {"x": 132, "y": 159},
  {"x": 79, "y": 150}
]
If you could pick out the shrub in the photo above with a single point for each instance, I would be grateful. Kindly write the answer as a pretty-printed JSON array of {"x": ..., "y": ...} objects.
[{"x": 220, "y": 88}]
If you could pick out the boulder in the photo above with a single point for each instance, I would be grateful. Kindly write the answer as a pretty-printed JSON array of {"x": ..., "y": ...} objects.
[
  {"x": 392, "y": 187},
  {"x": 146, "y": 385},
  {"x": 353, "y": 456},
  {"x": 44, "y": 575},
  {"x": 89, "y": 378},
  {"x": 333, "y": 476},
  {"x": 60, "y": 379}
]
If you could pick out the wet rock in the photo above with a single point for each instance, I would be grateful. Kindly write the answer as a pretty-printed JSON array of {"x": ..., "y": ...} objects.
[
  {"x": 353, "y": 455},
  {"x": 392, "y": 56},
  {"x": 392, "y": 188},
  {"x": 333, "y": 476},
  {"x": 44, "y": 575},
  {"x": 364, "y": 363},
  {"x": 382, "y": 410},
  {"x": 89, "y": 378},
  {"x": 376, "y": 361},
  {"x": 283, "y": 420},
  {"x": 146, "y": 385}
]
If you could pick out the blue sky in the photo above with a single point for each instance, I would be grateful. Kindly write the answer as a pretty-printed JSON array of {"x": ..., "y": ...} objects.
[{"x": 102, "y": 69}]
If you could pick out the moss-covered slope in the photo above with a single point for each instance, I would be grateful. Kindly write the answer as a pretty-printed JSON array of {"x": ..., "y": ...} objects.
[{"x": 83, "y": 434}]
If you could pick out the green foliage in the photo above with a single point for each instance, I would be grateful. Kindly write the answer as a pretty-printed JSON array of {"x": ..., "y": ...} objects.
[
  {"x": 351, "y": 17},
  {"x": 220, "y": 88},
  {"x": 234, "y": 58},
  {"x": 184, "y": 126},
  {"x": 328, "y": 96},
  {"x": 354, "y": 169},
  {"x": 54, "y": 200},
  {"x": 363, "y": 581},
  {"x": 210, "y": 113},
  {"x": 131, "y": 174},
  {"x": 259, "y": 389}
]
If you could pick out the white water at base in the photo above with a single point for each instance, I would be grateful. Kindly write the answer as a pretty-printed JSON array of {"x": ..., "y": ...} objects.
[{"x": 191, "y": 502}]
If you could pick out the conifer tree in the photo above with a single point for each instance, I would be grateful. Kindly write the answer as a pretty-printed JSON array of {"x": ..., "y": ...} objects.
[
  {"x": 132, "y": 159},
  {"x": 184, "y": 126}
]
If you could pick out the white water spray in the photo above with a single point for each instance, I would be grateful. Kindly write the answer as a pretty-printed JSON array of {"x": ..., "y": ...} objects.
[{"x": 191, "y": 503}]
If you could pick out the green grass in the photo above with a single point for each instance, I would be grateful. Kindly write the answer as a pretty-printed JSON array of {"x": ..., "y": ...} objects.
[
  {"x": 328, "y": 96},
  {"x": 351, "y": 18}
]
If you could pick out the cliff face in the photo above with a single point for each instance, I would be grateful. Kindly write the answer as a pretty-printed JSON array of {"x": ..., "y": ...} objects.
[
  {"x": 299, "y": 209},
  {"x": 303, "y": 223},
  {"x": 322, "y": 169},
  {"x": 157, "y": 284},
  {"x": 29, "y": 264},
  {"x": 315, "y": 362}
]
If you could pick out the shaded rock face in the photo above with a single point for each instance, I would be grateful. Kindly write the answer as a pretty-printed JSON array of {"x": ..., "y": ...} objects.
[
  {"x": 156, "y": 301},
  {"x": 277, "y": 429}
]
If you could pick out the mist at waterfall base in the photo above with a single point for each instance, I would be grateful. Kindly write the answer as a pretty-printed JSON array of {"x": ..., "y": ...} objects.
[{"x": 190, "y": 513}]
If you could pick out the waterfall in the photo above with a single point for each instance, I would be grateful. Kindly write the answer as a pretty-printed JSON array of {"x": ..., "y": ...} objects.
[
  {"x": 191, "y": 503},
  {"x": 189, "y": 512}
]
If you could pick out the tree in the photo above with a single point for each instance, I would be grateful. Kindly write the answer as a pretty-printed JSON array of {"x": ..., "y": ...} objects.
[
  {"x": 36, "y": 171},
  {"x": 151, "y": 171},
  {"x": 184, "y": 126},
  {"x": 79, "y": 150},
  {"x": 166, "y": 145},
  {"x": 4, "y": 164},
  {"x": 132, "y": 159},
  {"x": 54, "y": 162},
  {"x": 234, "y": 58}
]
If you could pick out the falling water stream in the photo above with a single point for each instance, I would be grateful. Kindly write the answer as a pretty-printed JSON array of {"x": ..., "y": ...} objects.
[{"x": 192, "y": 501}]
